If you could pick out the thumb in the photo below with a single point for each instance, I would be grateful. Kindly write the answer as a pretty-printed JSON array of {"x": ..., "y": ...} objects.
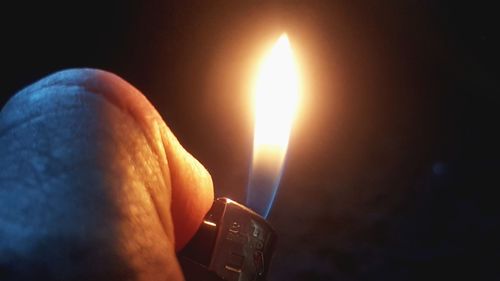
[
  {"x": 191, "y": 184},
  {"x": 192, "y": 187}
]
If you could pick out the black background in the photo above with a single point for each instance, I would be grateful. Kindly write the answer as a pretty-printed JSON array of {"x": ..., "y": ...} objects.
[{"x": 394, "y": 161}]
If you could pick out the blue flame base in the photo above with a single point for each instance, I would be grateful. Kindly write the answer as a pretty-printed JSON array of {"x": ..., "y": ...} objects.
[{"x": 261, "y": 190}]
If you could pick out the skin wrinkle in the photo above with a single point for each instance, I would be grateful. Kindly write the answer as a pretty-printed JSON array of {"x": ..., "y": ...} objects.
[
  {"x": 75, "y": 164},
  {"x": 90, "y": 88},
  {"x": 27, "y": 94},
  {"x": 47, "y": 152},
  {"x": 36, "y": 150},
  {"x": 143, "y": 245},
  {"x": 147, "y": 125},
  {"x": 46, "y": 182},
  {"x": 132, "y": 161}
]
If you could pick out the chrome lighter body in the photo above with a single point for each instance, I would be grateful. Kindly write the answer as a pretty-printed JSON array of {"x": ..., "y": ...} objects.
[{"x": 233, "y": 243}]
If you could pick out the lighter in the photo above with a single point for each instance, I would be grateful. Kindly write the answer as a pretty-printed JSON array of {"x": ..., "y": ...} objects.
[{"x": 233, "y": 243}]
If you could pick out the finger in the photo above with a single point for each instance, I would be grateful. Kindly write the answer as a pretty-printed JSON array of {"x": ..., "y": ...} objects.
[
  {"x": 80, "y": 188},
  {"x": 192, "y": 188}
]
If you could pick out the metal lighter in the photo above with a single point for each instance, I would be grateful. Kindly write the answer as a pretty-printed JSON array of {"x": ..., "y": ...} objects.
[{"x": 233, "y": 243}]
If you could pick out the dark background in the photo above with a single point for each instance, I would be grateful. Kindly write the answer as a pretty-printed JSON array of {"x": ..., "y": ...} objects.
[{"x": 394, "y": 162}]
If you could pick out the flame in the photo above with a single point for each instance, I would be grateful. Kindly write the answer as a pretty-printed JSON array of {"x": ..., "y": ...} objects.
[{"x": 276, "y": 98}]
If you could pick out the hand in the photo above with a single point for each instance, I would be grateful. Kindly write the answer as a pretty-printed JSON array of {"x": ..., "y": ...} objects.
[{"x": 93, "y": 185}]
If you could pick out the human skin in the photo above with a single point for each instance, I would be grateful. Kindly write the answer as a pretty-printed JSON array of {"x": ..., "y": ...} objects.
[{"x": 93, "y": 184}]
